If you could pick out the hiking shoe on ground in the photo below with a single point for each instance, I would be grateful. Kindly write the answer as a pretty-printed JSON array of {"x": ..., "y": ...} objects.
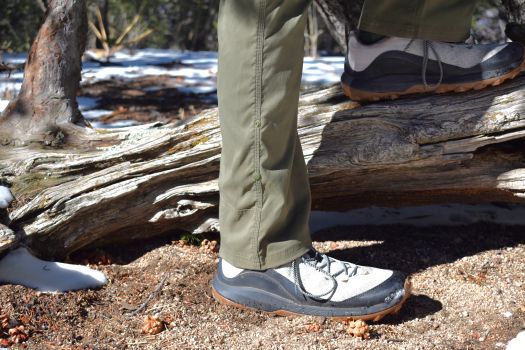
[
  {"x": 313, "y": 284},
  {"x": 395, "y": 66}
]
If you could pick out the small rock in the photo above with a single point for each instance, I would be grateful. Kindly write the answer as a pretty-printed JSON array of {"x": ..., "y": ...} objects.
[
  {"x": 464, "y": 314},
  {"x": 507, "y": 314}
]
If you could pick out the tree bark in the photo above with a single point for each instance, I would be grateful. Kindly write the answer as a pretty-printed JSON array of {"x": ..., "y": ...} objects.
[
  {"x": 514, "y": 10},
  {"x": 46, "y": 109}
]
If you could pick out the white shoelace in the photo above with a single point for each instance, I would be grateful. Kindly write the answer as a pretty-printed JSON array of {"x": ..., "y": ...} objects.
[
  {"x": 322, "y": 263},
  {"x": 426, "y": 46},
  {"x": 429, "y": 45}
]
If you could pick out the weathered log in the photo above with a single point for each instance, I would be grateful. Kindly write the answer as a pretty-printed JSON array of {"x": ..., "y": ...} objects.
[{"x": 161, "y": 178}]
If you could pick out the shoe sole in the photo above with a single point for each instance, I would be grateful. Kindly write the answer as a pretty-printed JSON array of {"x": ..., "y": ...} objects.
[
  {"x": 361, "y": 95},
  {"x": 368, "y": 317}
]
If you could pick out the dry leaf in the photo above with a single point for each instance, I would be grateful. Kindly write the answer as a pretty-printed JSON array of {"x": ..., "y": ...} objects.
[
  {"x": 24, "y": 319},
  {"x": 358, "y": 329},
  {"x": 209, "y": 246},
  {"x": 313, "y": 327},
  {"x": 18, "y": 334},
  {"x": 4, "y": 321},
  {"x": 153, "y": 325}
]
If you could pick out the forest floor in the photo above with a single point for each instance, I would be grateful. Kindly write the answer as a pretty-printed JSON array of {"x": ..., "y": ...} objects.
[{"x": 469, "y": 293}]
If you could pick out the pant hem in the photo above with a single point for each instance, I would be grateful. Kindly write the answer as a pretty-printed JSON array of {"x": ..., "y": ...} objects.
[
  {"x": 414, "y": 31},
  {"x": 276, "y": 259}
]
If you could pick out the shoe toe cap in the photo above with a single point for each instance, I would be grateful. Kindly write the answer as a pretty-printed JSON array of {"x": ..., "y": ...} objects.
[{"x": 388, "y": 293}]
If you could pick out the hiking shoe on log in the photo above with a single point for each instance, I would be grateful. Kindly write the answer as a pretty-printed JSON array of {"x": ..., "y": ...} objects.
[
  {"x": 313, "y": 284},
  {"x": 393, "y": 66}
]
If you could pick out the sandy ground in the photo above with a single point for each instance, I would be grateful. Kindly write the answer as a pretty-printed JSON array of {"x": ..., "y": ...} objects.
[{"x": 469, "y": 293}]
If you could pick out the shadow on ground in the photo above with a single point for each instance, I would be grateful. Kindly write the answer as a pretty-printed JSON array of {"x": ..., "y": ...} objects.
[{"x": 411, "y": 249}]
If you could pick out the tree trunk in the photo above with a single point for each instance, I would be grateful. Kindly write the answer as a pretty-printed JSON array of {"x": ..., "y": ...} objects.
[{"x": 46, "y": 109}]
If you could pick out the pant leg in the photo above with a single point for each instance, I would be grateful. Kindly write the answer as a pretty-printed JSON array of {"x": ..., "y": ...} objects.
[
  {"x": 264, "y": 188},
  {"x": 441, "y": 20}
]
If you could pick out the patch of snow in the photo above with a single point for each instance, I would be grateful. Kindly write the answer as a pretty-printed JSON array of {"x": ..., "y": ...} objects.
[
  {"x": 6, "y": 197},
  {"x": 517, "y": 343},
  {"x": 20, "y": 267},
  {"x": 117, "y": 124},
  {"x": 87, "y": 103},
  {"x": 197, "y": 89},
  {"x": 9, "y": 85},
  {"x": 197, "y": 70},
  {"x": 445, "y": 215},
  {"x": 14, "y": 58},
  {"x": 96, "y": 114},
  {"x": 323, "y": 70},
  {"x": 3, "y": 105}
]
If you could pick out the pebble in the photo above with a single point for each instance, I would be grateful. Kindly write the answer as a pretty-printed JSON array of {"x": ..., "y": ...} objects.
[{"x": 507, "y": 314}]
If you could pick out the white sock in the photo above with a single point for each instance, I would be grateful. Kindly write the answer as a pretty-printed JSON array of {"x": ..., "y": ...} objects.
[
  {"x": 20, "y": 267},
  {"x": 229, "y": 270}
]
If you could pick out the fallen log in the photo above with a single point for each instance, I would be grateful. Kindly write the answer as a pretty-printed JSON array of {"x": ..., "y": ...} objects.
[
  {"x": 158, "y": 178},
  {"x": 77, "y": 186}
]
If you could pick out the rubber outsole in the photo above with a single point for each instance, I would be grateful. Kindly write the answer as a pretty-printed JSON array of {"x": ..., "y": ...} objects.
[
  {"x": 360, "y": 95},
  {"x": 369, "y": 317}
]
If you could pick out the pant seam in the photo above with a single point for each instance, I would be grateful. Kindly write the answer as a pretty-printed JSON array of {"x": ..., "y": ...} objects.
[{"x": 259, "y": 52}]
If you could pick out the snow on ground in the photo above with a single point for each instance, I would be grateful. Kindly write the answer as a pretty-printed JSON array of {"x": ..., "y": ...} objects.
[
  {"x": 198, "y": 71},
  {"x": 87, "y": 103},
  {"x": 20, "y": 267}
]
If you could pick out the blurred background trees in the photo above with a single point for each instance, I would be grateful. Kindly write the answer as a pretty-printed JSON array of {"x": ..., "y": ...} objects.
[
  {"x": 178, "y": 24},
  {"x": 183, "y": 24}
]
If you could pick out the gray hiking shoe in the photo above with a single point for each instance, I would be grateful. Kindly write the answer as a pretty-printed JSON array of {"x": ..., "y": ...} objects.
[
  {"x": 313, "y": 284},
  {"x": 393, "y": 66}
]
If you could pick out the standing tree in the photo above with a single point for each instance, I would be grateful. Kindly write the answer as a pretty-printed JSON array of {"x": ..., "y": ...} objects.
[
  {"x": 76, "y": 186},
  {"x": 46, "y": 109}
]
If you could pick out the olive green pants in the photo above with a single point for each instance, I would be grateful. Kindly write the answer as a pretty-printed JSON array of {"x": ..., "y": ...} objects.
[{"x": 264, "y": 189}]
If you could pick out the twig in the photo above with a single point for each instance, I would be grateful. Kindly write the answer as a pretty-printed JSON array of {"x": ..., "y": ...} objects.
[{"x": 151, "y": 296}]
